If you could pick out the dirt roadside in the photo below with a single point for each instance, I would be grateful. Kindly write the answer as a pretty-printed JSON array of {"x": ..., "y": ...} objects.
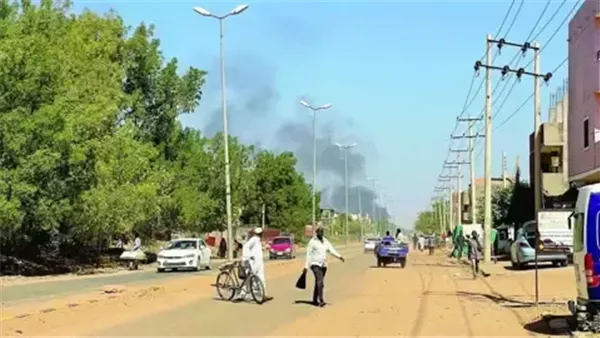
[
  {"x": 428, "y": 298},
  {"x": 97, "y": 309}
]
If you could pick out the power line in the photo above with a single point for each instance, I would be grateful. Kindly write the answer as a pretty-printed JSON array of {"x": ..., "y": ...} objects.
[{"x": 522, "y": 105}]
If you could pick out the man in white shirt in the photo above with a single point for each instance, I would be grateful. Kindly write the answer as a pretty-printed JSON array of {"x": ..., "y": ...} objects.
[
  {"x": 253, "y": 253},
  {"x": 316, "y": 260},
  {"x": 400, "y": 238}
]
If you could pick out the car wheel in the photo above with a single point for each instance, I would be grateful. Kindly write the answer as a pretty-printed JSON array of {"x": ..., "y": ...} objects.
[{"x": 160, "y": 270}]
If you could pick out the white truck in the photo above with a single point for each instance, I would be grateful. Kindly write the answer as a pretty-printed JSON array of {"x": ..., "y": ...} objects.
[{"x": 554, "y": 225}]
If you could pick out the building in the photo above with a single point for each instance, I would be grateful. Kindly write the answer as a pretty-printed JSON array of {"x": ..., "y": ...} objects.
[
  {"x": 584, "y": 94},
  {"x": 554, "y": 154},
  {"x": 466, "y": 197}
]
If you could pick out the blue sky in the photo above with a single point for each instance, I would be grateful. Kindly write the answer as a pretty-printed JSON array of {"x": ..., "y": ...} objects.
[{"x": 396, "y": 72}]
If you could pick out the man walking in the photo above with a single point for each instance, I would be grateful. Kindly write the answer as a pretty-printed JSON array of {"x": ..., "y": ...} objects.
[
  {"x": 475, "y": 254},
  {"x": 252, "y": 252},
  {"x": 316, "y": 260}
]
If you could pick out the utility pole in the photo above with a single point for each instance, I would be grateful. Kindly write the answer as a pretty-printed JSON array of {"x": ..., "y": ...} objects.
[
  {"x": 447, "y": 178},
  {"x": 471, "y": 151},
  {"x": 360, "y": 219},
  {"x": 503, "y": 170},
  {"x": 442, "y": 213},
  {"x": 458, "y": 165},
  {"x": 537, "y": 171},
  {"x": 488, "y": 126}
]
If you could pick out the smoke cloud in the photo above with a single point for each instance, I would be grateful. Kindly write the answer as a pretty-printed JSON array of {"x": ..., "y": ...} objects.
[{"x": 253, "y": 117}]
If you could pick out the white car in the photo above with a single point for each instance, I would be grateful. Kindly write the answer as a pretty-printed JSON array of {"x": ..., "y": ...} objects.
[
  {"x": 371, "y": 243},
  {"x": 184, "y": 254}
]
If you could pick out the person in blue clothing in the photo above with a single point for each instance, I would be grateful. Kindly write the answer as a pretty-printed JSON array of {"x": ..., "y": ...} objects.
[{"x": 388, "y": 237}]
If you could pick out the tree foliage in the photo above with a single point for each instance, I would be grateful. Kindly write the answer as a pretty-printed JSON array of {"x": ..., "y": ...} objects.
[{"x": 91, "y": 148}]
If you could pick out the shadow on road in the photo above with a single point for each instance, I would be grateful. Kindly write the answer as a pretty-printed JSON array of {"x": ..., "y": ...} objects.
[
  {"x": 503, "y": 301},
  {"x": 304, "y": 302},
  {"x": 551, "y": 325}
]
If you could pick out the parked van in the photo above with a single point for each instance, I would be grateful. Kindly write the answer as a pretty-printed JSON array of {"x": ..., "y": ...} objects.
[{"x": 585, "y": 223}]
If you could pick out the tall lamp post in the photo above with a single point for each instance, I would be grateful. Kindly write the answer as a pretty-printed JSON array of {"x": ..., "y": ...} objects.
[
  {"x": 373, "y": 181},
  {"x": 314, "y": 169},
  {"x": 237, "y": 10},
  {"x": 344, "y": 149}
]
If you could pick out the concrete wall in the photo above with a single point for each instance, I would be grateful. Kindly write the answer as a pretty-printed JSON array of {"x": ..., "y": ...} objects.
[{"x": 584, "y": 82}]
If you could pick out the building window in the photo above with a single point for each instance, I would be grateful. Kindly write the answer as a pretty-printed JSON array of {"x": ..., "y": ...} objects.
[{"x": 586, "y": 133}]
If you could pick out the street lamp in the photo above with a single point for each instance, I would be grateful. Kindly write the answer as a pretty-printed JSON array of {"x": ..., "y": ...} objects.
[
  {"x": 237, "y": 10},
  {"x": 373, "y": 181},
  {"x": 345, "y": 149},
  {"x": 314, "y": 180}
]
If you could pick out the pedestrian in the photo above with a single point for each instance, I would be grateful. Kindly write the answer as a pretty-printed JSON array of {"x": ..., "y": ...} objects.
[
  {"x": 388, "y": 238},
  {"x": 415, "y": 241},
  {"x": 475, "y": 255},
  {"x": 316, "y": 260},
  {"x": 400, "y": 238},
  {"x": 421, "y": 243},
  {"x": 222, "y": 248},
  {"x": 431, "y": 243},
  {"x": 252, "y": 253}
]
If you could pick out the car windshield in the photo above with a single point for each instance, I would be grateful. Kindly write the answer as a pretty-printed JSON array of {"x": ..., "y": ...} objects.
[
  {"x": 185, "y": 244},
  {"x": 282, "y": 240}
]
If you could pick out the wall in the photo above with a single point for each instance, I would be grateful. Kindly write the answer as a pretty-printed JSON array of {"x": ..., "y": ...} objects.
[{"x": 584, "y": 81}]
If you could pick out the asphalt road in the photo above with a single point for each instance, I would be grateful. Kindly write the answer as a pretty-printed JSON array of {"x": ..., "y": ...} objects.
[{"x": 20, "y": 293}]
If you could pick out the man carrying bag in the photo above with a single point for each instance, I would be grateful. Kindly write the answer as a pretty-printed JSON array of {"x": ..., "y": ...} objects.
[{"x": 316, "y": 260}]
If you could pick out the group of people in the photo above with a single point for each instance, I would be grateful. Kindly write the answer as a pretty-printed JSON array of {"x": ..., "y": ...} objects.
[
  {"x": 421, "y": 242},
  {"x": 316, "y": 261}
]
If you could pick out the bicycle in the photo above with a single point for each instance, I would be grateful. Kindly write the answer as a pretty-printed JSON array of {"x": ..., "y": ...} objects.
[{"x": 228, "y": 281}]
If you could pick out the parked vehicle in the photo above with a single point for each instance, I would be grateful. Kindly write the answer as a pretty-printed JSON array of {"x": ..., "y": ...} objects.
[
  {"x": 370, "y": 244},
  {"x": 522, "y": 251},
  {"x": 390, "y": 252},
  {"x": 585, "y": 223},
  {"x": 506, "y": 236},
  {"x": 184, "y": 254},
  {"x": 282, "y": 247}
]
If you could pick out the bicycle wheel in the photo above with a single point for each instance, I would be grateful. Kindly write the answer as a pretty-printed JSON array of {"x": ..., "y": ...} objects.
[
  {"x": 226, "y": 286},
  {"x": 257, "y": 289}
]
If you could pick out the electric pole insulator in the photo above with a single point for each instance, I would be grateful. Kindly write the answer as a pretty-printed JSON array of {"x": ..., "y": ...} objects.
[
  {"x": 505, "y": 71},
  {"x": 525, "y": 47}
]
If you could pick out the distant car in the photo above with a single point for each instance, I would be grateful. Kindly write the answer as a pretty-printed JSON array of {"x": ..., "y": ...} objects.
[
  {"x": 282, "y": 247},
  {"x": 370, "y": 244},
  {"x": 184, "y": 254},
  {"x": 522, "y": 251}
]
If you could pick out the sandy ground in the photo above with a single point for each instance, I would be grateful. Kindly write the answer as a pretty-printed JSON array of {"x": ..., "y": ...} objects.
[{"x": 430, "y": 297}]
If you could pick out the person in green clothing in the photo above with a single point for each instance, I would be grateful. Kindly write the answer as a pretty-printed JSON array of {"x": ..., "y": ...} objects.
[{"x": 458, "y": 241}]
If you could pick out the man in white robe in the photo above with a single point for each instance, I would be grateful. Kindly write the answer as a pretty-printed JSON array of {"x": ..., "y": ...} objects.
[{"x": 252, "y": 252}]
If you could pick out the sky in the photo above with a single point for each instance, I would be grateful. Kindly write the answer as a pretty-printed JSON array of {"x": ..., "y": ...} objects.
[{"x": 397, "y": 74}]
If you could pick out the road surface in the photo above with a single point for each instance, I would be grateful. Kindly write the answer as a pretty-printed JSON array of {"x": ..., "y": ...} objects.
[
  {"x": 430, "y": 297},
  {"x": 48, "y": 289}
]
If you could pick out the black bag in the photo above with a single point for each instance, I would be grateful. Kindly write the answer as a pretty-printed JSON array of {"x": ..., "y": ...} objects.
[{"x": 301, "y": 283}]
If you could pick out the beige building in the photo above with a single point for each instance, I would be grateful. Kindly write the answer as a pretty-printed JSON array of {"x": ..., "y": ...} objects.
[{"x": 554, "y": 150}]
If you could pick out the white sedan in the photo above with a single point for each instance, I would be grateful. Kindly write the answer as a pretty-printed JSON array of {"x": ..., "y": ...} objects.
[
  {"x": 184, "y": 254},
  {"x": 371, "y": 243}
]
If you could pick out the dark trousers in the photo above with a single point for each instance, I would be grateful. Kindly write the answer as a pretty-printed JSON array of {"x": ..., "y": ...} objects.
[{"x": 319, "y": 272}]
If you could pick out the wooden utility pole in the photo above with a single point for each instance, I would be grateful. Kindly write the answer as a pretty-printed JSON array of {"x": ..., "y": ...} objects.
[{"x": 471, "y": 151}]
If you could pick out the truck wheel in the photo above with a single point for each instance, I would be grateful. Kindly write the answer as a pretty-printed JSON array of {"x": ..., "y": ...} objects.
[
  {"x": 403, "y": 263},
  {"x": 378, "y": 262}
]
